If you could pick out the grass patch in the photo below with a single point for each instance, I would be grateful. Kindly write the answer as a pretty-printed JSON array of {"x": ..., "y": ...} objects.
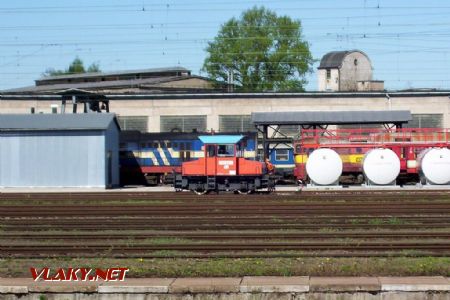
[{"x": 213, "y": 267}]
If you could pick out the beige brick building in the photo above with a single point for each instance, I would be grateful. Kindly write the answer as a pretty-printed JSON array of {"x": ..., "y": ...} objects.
[{"x": 172, "y": 99}]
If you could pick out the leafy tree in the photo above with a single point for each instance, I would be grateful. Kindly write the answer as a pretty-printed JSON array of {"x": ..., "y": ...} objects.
[
  {"x": 94, "y": 67},
  {"x": 75, "y": 67},
  {"x": 265, "y": 52}
]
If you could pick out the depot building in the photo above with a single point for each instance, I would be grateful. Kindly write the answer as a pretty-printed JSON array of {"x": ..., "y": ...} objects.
[{"x": 172, "y": 99}]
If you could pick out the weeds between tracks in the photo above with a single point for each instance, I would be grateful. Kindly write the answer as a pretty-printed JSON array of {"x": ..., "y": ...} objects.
[{"x": 168, "y": 234}]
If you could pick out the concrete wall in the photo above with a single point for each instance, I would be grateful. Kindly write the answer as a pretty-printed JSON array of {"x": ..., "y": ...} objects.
[
  {"x": 52, "y": 159},
  {"x": 371, "y": 85},
  {"x": 327, "y": 85},
  {"x": 246, "y": 288},
  {"x": 355, "y": 67},
  {"x": 213, "y": 107}
]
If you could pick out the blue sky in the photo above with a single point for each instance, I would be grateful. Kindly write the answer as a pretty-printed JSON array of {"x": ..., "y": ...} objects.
[{"x": 408, "y": 41}]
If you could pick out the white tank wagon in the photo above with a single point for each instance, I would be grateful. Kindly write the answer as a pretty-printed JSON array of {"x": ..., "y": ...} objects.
[
  {"x": 381, "y": 166},
  {"x": 434, "y": 166},
  {"x": 324, "y": 167}
]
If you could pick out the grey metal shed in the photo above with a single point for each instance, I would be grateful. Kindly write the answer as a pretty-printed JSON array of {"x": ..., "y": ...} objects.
[{"x": 59, "y": 150}]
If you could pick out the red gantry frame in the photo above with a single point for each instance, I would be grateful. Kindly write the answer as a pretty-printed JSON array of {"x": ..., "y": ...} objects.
[{"x": 352, "y": 144}]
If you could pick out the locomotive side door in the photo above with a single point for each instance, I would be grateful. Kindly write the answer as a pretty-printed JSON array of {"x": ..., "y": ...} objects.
[
  {"x": 226, "y": 160},
  {"x": 210, "y": 159}
]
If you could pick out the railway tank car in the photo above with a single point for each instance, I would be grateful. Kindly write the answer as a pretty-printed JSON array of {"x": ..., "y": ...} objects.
[
  {"x": 223, "y": 167},
  {"x": 374, "y": 157}
]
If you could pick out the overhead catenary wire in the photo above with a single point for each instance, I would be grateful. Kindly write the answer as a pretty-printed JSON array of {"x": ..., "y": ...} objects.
[{"x": 388, "y": 30}]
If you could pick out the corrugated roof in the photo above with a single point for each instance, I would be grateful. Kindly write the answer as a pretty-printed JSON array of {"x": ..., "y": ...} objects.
[
  {"x": 331, "y": 117},
  {"x": 116, "y": 73},
  {"x": 220, "y": 139},
  {"x": 334, "y": 59},
  {"x": 89, "y": 121}
]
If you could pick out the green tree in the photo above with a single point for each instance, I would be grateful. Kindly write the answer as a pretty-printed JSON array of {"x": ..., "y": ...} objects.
[
  {"x": 94, "y": 67},
  {"x": 265, "y": 52},
  {"x": 77, "y": 66}
]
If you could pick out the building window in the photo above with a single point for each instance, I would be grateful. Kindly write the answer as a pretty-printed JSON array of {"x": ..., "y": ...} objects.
[
  {"x": 425, "y": 121},
  {"x": 281, "y": 154},
  {"x": 235, "y": 123},
  {"x": 328, "y": 74},
  {"x": 182, "y": 123},
  {"x": 133, "y": 123}
]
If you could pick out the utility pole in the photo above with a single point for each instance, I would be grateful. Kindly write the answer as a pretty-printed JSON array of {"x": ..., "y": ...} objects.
[{"x": 230, "y": 80}]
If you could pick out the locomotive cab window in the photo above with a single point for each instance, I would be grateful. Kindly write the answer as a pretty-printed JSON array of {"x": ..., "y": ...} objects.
[
  {"x": 281, "y": 154},
  {"x": 225, "y": 150}
]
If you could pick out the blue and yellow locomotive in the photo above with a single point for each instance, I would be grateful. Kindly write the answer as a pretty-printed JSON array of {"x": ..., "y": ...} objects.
[{"x": 152, "y": 158}]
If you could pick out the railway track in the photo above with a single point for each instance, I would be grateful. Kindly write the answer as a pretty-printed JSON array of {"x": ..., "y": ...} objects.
[
  {"x": 234, "y": 227},
  {"x": 369, "y": 223},
  {"x": 297, "y": 209},
  {"x": 223, "y": 235},
  {"x": 275, "y": 222},
  {"x": 305, "y": 195},
  {"x": 438, "y": 249}
]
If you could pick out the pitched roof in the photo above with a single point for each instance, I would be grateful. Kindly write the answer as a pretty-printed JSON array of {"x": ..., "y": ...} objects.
[
  {"x": 36, "y": 122},
  {"x": 113, "y": 84},
  {"x": 334, "y": 59},
  {"x": 116, "y": 73},
  {"x": 331, "y": 117}
]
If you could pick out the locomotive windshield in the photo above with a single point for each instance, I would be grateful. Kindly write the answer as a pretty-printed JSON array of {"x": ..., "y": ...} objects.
[{"x": 225, "y": 150}]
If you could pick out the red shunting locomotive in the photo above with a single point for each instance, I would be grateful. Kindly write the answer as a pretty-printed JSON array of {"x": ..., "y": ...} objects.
[{"x": 223, "y": 168}]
